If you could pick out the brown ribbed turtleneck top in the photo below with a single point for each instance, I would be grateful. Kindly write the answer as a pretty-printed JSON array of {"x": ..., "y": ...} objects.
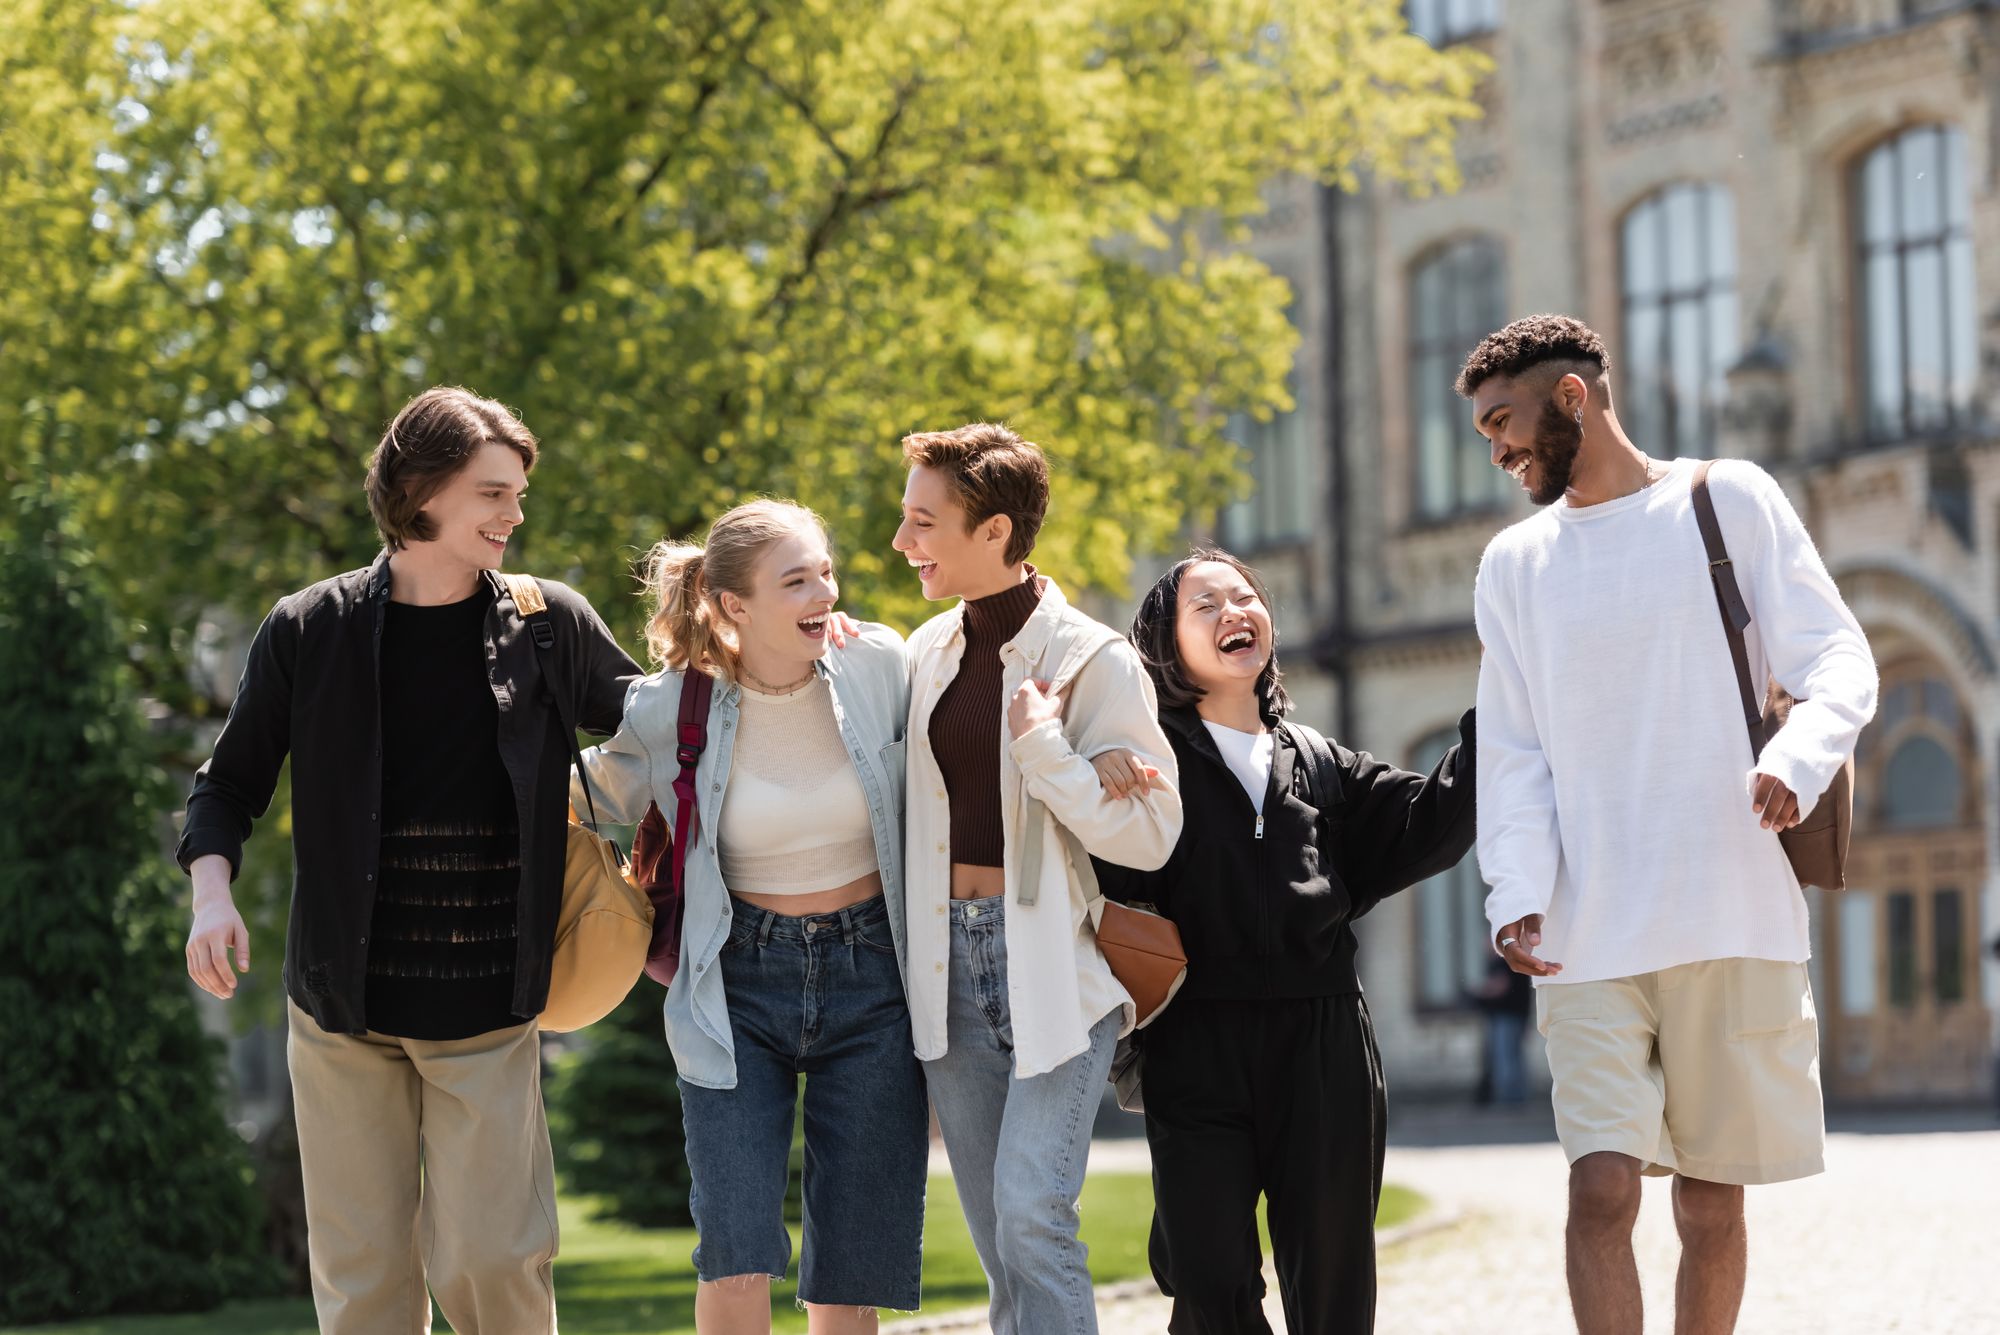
[{"x": 970, "y": 722}]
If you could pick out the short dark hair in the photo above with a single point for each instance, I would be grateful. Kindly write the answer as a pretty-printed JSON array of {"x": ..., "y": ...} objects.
[
  {"x": 1529, "y": 342},
  {"x": 990, "y": 471},
  {"x": 1154, "y": 635},
  {"x": 429, "y": 443}
]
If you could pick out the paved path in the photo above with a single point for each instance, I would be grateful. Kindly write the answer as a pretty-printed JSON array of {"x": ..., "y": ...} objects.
[{"x": 1902, "y": 1234}]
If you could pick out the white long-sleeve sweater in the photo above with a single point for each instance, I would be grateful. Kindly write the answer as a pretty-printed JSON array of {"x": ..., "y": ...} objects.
[{"x": 1614, "y": 767}]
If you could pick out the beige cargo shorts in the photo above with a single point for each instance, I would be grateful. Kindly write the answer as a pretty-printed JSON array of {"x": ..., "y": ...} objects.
[{"x": 1709, "y": 1070}]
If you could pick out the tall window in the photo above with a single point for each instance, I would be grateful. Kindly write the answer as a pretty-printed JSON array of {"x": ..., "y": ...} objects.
[
  {"x": 1284, "y": 491},
  {"x": 1440, "y": 22},
  {"x": 1918, "y": 338},
  {"x": 1452, "y": 950},
  {"x": 1279, "y": 507},
  {"x": 1457, "y": 297},
  {"x": 1679, "y": 251}
]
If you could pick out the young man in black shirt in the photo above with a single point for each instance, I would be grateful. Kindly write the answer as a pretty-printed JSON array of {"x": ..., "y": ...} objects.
[{"x": 429, "y": 790}]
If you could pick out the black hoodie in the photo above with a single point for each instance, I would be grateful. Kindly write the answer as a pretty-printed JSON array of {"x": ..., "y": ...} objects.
[{"x": 1267, "y": 912}]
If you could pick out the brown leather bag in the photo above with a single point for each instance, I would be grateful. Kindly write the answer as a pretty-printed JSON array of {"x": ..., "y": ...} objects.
[
  {"x": 1817, "y": 845},
  {"x": 1144, "y": 951}
]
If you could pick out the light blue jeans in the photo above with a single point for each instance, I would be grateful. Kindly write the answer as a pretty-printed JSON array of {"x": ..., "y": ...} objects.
[{"x": 1017, "y": 1147}]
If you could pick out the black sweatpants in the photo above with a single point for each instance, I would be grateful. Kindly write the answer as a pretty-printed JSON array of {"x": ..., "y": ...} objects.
[{"x": 1283, "y": 1098}]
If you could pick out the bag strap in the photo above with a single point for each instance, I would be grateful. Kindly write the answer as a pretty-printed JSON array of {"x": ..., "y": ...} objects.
[
  {"x": 533, "y": 608},
  {"x": 1729, "y": 601},
  {"x": 1325, "y": 765},
  {"x": 691, "y": 738},
  {"x": 1028, "y": 890}
]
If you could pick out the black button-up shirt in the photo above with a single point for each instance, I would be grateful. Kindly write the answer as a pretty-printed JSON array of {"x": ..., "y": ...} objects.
[{"x": 312, "y": 689}]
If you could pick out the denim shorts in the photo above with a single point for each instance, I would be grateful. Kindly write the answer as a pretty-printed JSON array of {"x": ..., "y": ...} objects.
[{"x": 820, "y": 997}]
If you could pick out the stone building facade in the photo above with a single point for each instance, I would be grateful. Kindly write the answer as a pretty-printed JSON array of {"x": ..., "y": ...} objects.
[{"x": 1782, "y": 215}]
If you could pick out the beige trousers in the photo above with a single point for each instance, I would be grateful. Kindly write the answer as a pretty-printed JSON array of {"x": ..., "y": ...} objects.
[{"x": 425, "y": 1160}]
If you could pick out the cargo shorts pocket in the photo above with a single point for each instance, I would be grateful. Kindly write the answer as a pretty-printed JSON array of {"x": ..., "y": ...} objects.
[
  {"x": 1767, "y": 998},
  {"x": 1563, "y": 1003}
]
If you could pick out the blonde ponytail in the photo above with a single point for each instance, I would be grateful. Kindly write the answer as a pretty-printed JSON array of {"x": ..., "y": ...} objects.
[
  {"x": 681, "y": 632},
  {"x": 687, "y": 631}
]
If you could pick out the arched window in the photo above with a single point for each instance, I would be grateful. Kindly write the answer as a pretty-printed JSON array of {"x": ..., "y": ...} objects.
[
  {"x": 1457, "y": 297},
  {"x": 1917, "y": 757},
  {"x": 1921, "y": 785},
  {"x": 1452, "y": 951},
  {"x": 1918, "y": 337},
  {"x": 1679, "y": 287}
]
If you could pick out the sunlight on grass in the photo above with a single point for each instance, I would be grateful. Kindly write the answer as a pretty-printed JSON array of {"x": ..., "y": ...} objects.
[{"x": 614, "y": 1280}]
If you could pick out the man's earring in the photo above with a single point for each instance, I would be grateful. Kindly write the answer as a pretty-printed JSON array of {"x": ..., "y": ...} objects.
[{"x": 1579, "y": 417}]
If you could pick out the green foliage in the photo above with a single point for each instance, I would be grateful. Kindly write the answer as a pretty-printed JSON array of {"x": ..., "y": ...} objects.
[
  {"x": 615, "y": 1280},
  {"x": 615, "y": 1118},
  {"x": 121, "y": 1185},
  {"x": 706, "y": 247}
]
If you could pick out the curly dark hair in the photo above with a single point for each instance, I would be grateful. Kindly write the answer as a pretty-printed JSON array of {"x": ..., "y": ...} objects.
[{"x": 1529, "y": 342}]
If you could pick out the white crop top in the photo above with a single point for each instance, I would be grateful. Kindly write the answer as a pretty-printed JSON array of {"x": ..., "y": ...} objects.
[{"x": 794, "y": 818}]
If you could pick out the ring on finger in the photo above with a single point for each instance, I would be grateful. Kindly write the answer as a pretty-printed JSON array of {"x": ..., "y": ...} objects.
[{"x": 1506, "y": 941}]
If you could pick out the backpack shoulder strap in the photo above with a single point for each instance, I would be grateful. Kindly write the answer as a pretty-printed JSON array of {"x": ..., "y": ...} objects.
[
  {"x": 533, "y": 607},
  {"x": 1325, "y": 767},
  {"x": 1084, "y": 644},
  {"x": 690, "y": 739},
  {"x": 1729, "y": 601},
  {"x": 526, "y": 591},
  {"x": 1077, "y": 656}
]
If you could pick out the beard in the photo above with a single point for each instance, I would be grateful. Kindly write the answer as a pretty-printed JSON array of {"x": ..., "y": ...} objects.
[{"x": 1558, "y": 437}]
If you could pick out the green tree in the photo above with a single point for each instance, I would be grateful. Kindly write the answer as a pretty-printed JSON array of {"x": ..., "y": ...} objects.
[
  {"x": 121, "y": 1185},
  {"x": 615, "y": 1118},
  {"x": 707, "y": 247}
]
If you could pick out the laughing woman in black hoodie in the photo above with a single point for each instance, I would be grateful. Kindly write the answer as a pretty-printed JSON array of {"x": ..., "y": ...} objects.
[{"x": 1263, "y": 1076}]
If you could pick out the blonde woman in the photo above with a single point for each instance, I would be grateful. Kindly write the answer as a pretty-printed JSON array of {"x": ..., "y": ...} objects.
[{"x": 792, "y": 947}]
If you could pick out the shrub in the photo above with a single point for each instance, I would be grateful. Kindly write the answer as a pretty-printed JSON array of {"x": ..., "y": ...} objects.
[{"x": 122, "y": 1188}]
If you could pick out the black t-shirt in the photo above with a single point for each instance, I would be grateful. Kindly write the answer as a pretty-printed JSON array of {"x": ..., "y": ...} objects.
[{"x": 442, "y": 942}]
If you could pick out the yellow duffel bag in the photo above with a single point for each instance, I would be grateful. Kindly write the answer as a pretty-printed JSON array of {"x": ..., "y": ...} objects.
[
  {"x": 601, "y": 937},
  {"x": 606, "y": 923}
]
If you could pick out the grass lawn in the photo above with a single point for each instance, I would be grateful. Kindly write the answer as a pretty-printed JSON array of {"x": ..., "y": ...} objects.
[{"x": 613, "y": 1280}]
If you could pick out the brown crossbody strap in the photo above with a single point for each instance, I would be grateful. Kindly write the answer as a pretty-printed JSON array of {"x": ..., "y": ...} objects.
[{"x": 1729, "y": 599}]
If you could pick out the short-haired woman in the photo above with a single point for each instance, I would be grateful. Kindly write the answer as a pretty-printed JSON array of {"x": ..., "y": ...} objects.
[
  {"x": 793, "y": 935},
  {"x": 1014, "y": 694},
  {"x": 1263, "y": 1076}
]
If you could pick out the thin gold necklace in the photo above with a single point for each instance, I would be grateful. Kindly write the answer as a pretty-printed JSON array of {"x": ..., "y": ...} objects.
[{"x": 768, "y": 689}]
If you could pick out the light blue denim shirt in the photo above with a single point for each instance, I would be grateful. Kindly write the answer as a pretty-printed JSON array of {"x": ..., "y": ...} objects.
[{"x": 869, "y": 682}]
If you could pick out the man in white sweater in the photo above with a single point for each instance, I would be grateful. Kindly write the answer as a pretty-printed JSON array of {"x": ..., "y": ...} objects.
[{"x": 1627, "y": 831}]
